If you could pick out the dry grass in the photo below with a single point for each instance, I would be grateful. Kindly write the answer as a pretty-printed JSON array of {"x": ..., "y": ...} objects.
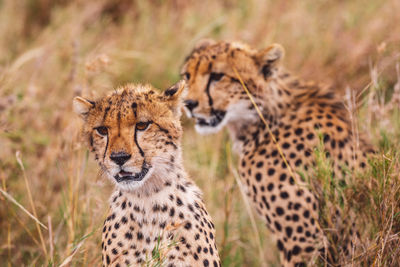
[{"x": 51, "y": 51}]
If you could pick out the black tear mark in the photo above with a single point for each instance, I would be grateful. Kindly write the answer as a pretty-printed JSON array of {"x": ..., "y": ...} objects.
[
  {"x": 213, "y": 77},
  {"x": 210, "y": 80},
  {"x": 91, "y": 141},
  {"x": 137, "y": 144},
  {"x": 210, "y": 100},
  {"x": 105, "y": 151},
  {"x": 209, "y": 66}
]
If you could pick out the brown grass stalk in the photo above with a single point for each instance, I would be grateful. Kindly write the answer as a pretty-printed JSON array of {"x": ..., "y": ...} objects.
[
  {"x": 34, "y": 216},
  {"x": 247, "y": 205}
]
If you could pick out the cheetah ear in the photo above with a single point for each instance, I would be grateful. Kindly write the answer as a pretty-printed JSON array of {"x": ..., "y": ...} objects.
[
  {"x": 269, "y": 58},
  {"x": 203, "y": 43},
  {"x": 82, "y": 106},
  {"x": 173, "y": 96}
]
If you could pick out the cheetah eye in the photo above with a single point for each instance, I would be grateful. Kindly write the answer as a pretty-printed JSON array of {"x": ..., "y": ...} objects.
[
  {"x": 186, "y": 75},
  {"x": 141, "y": 126},
  {"x": 102, "y": 130}
]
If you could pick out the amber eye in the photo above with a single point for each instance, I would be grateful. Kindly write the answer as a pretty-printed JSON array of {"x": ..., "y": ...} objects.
[
  {"x": 141, "y": 126},
  {"x": 186, "y": 75},
  {"x": 102, "y": 130}
]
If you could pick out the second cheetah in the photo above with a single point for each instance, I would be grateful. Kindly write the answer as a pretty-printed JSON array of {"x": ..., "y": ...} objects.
[{"x": 294, "y": 114}]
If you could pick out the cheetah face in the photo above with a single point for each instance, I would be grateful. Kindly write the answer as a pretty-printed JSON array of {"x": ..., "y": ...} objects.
[
  {"x": 215, "y": 94},
  {"x": 134, "y": 132}
]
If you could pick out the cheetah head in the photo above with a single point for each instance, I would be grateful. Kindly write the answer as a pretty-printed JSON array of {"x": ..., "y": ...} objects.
[
  {"x": 134, "y": 132},
  {"x": 215, "y": 95}
]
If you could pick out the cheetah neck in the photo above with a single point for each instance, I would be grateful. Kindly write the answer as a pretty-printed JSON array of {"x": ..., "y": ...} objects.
[
  {"x": 272, "y": 99},
  {"x": 282, "y": 95},
  {"x": 152, "y": 210}
]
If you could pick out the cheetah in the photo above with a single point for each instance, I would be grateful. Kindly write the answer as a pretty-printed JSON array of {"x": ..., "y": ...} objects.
[
  {"x": 156, "y": 209},
  {"x": 274, "y": 132}
]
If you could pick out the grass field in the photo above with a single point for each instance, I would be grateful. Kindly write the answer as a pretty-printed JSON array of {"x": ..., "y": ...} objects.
[{"x": 51, "y": 51}]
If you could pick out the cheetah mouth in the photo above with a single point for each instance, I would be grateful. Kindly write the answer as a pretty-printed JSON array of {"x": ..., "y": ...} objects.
[
  {"x": 216, "y": 118},
  {"x": 124, "y": 176}
]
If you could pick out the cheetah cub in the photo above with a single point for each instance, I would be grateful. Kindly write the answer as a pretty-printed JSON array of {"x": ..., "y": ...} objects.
[{"x": 157, "y": 212}]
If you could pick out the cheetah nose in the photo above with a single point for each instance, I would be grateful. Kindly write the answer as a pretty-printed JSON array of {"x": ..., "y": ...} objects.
[
  {"x": 191, "y": 104},
  {"x": 120, "y": 157}
]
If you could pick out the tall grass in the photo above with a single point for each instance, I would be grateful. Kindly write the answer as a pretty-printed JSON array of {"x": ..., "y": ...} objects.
[{"x": 51, "y": 51}]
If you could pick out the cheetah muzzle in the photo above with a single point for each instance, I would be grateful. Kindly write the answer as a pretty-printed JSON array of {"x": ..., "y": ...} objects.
[
  {"x": 215, "y": 119},
  {"x": 124, "y": 176}
]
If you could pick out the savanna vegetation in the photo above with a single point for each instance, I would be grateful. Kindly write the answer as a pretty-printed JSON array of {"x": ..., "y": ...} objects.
[{"x": 53, "y": 203}]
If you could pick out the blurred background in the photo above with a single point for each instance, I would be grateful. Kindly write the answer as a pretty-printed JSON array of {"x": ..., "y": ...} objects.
[{"x": 51, "y": 51}]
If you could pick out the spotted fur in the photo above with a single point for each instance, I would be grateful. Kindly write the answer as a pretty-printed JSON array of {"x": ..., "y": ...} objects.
[
  {"x": 135, "y": 133},
  {"x": 297, "y": 113}
]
